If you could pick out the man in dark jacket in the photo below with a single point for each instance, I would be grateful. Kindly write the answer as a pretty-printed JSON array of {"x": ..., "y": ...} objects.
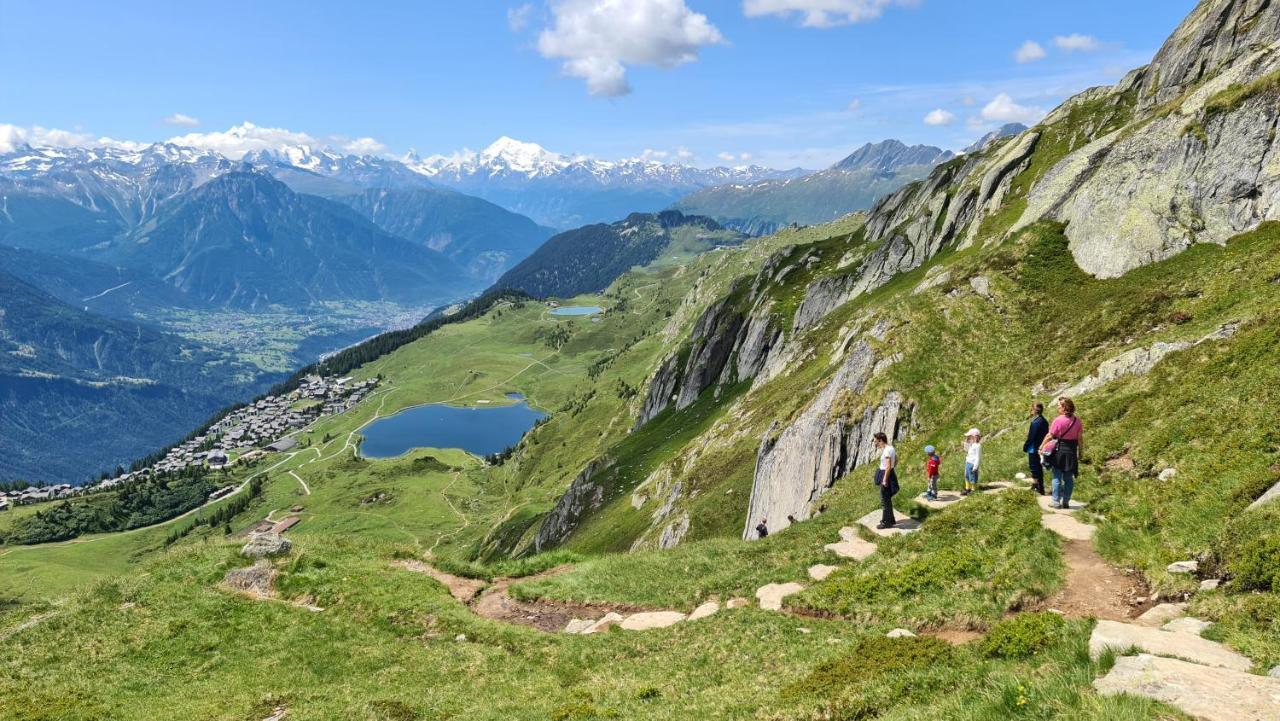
[{"x": 1035, "y": 437}]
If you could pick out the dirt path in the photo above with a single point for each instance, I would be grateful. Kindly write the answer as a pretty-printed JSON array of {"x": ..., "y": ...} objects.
[
  {"x": 1095, "y": 588},
  {"x": 491, "y": 600}
]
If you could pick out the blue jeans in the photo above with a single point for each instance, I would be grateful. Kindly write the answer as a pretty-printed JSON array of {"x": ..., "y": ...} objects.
[
  {"x": 1063, "y": 484},
  {"x": 970, "y": 475}
]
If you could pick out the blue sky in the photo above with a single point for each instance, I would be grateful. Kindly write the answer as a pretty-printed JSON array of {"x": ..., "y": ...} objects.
[{"x": 779, "y": 82}]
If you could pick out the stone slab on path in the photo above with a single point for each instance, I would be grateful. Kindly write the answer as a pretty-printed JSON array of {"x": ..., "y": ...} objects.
[
  {"x": 771, "y": 595},
  {"x": 1067, "y": 527},
  {"x": 851, "y": 545},
  {"x": 1046, "y": 505},
  {"x": 710, "y": 608},
  {"x": 1208, "y": 694},
  {"x": 996, "y": 487},
  {"x": 821, "y": 571},
  {"x": 1157, "y": 616},
  {"x": 651, "y": 620},
  {"x": 905, "y": 525},
  {"x": 1187, "y": 625},
  {"x": 578, "y": 625},
  {"x": 609, "y": 619},
  {"x": 945, "y": 498},
  {"x": 1121, "y": 637}
]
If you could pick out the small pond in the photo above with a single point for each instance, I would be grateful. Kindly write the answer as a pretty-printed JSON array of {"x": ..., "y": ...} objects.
[
  {"x": 577, "y": 310},
  {"x": 481, "y": 430}
]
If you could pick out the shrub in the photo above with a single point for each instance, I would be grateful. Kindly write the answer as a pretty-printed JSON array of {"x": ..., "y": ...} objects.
[
  {"x": 873, "y": 658},
  {"x": 1255, "y": 566},
  {"x": 1022, "y": 636}
]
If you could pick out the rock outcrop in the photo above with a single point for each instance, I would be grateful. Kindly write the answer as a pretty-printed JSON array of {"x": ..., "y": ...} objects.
[
  {"x": 264, "y": 545},
  {"x": 583, "y": 494},
  {"x": 798, "y": 464},
  {"x": 1200, "y": 169}
]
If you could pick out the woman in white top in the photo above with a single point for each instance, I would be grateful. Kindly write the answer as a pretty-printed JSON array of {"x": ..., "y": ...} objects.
[
  {"x": 886, "y": 480},
  {"x": 972, "y": 459}
]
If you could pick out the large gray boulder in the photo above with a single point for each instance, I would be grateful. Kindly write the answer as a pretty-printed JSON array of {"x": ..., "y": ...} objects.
[{"x": 264, "y": 545}]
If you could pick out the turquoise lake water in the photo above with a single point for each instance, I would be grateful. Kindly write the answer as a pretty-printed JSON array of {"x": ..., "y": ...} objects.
[{"x": 577, "y": 310}]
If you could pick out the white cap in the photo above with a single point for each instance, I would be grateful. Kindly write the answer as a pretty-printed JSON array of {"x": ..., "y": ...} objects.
[{"x": 973, "y": 432}]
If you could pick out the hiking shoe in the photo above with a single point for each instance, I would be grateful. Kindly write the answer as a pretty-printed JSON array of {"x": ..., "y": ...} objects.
[
  {"x": 882, "y": 526},
  {"x": 965, "y": 492}
]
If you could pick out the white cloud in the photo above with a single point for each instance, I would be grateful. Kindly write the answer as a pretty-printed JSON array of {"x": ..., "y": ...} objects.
[
  {"x": 182, "y": 120},
  {"x": 13, "y": 136},
  {"x": 598, "y": 39},
  {"x": 940, "y": 117},
  {"x": 823, "y": 13},
  {"x": 968, "y": 100},
  {"x": 685, "y": 155},
  {"x": 1004, "y": 110},
  {"x": 1077, "y": 42},
  {"x": 518, "y": 17},
  {"x": 364, "y": 146},
  {"x": 1030, "y": 52},
  {"x": 854, "y": 105},
  {"x": 243, "y": 138},
  {"x": 727, "y": 157}
]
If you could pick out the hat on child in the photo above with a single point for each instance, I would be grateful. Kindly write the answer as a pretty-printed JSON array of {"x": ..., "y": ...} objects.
[
  {"x": 973, "y": 432},
  {"x": 929, "y": 449}
]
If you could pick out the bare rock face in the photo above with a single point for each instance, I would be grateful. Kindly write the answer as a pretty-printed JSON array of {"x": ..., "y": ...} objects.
[
  {"x": 1209, "y": 694},
  {"x": 798, "y": 464},
  {"x": 263, "y": 545},
  {"x": 1213, "y": 36},
  {"x": 1147, "y": 192},
  {"x": 583, "y": 494}
]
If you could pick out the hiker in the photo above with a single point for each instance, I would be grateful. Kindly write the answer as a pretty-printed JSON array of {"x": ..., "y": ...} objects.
[
  {"x": 762, "y": 529},
  {"x": 932, "y": 464},
  {"x": 791, "y": 520},
  {"x": 1062, "y": 449},
  {"x": 1035, "y": 438},
  {"x": 886, "y": 480},
  {"x": 972, "y": 459}
]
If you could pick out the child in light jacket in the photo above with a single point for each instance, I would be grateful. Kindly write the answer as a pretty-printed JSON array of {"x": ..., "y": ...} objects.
[{"x": 972, "y": 459}]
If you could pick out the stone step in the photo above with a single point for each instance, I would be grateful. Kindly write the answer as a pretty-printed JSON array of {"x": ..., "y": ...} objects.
[
  {"x": 1067, "y": 527},
  {"x": 1208, "y": 694},
  {"x": 710, "y": 608},
  {"x": 650, "y": 620},
  {"x": 905, "y": 524},
  {"x": 1187, "y": 625},
  {"x": 945, "y": 498},
  {"x": 609, "y": 619},
  {"x": 1046, "y": 504},
  {"x": 821, "y": 571},
  {"x": 771, "y": 595},
  {"x": 1157, "y": 616},
  {"x": 1121, "y": 637},
  {"x": 856, "y": 548},
  {"x": 996, "y": 487}
]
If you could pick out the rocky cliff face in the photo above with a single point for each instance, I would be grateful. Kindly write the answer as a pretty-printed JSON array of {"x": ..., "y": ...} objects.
[
  {"x": 799, "y": 463},
  {"x": 1201, "y": 170},
  {"x": 1213, "y": 37},
  {"x": 583, "y": 495}
]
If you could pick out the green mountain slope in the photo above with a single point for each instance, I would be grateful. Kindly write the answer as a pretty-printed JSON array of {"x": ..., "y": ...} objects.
[
  {"x": 64, "y": 373},
  {"x": 246, "y": 240},
  {"x": 588, "y": 259},
  {"x": 476, "y": 234}
]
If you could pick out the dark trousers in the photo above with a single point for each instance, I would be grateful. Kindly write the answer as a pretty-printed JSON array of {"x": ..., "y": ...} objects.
[
  {"x": 886, "y": 497},
  {"x": 1037, "y": 472}
]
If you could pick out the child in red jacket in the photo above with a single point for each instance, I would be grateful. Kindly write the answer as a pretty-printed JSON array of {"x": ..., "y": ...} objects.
[{"x": 932, "y": 464}]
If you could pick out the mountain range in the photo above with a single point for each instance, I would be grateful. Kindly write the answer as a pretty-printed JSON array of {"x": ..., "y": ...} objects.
[
  {"x": 853, "y": 184},
  {"x": 565, "y": 191}
]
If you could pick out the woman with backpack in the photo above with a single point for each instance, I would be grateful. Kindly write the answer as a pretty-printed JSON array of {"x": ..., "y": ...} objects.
[{"x": 1061, "y": 449}]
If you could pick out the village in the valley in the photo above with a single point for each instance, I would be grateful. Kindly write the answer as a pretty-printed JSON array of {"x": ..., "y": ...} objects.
[{"x": 242, "y": 435}]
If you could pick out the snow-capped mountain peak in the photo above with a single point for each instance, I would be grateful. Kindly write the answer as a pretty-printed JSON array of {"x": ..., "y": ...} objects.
[{"x": 519, "y": 156}]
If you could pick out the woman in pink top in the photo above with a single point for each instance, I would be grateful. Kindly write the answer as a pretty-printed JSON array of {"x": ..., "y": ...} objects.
[{"x": 1065, "y": 434}]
